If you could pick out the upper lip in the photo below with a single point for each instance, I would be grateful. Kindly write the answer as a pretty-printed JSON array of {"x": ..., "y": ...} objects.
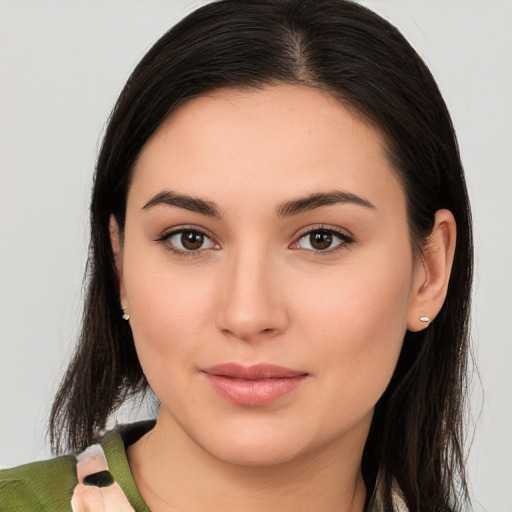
[{"x": 255, "y": 372}]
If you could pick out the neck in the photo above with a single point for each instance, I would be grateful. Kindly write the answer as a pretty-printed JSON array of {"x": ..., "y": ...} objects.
[{"x": 175, "y": 474}]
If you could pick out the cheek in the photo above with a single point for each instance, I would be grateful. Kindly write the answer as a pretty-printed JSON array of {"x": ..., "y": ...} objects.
[
  {"x": 161, "y": 307},
  {"x": 359, "y": 319},
  {"x": 169, "y": 309}
]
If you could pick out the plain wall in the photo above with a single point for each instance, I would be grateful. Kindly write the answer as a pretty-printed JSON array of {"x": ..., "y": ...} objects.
[{"x": 62, "y": 65}]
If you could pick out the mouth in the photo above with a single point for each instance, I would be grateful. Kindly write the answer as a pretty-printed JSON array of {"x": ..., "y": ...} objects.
[{"x": 253, "y": 386}]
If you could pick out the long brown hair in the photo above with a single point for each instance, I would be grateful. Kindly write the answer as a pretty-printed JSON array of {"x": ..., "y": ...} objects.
[{"x": 415, "y": 441}]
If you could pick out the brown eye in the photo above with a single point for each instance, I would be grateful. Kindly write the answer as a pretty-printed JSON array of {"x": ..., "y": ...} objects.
[
  {"x": 192, "y": 240},
  {"x": 323, "y": 240},
  {"x": 188, "y": 241},
  {"x": 320, "y": 240}
]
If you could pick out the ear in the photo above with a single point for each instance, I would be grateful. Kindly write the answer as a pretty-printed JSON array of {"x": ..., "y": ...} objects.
[
  {"x": 432, "y": 272},
  {"x": 117, "y": 249}
]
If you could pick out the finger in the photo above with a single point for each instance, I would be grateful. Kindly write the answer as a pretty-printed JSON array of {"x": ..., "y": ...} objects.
[{"x": 115, "y": 500}]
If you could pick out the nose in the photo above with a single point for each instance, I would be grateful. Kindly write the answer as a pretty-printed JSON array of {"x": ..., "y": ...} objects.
[{"x": 251, "y": 297}]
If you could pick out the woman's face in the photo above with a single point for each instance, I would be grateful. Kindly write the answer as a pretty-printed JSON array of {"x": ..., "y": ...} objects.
[{"x": 267, "y": 269}]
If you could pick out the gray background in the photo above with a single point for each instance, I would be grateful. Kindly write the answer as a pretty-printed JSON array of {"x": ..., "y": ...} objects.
[{"x": 62, "y": 65}]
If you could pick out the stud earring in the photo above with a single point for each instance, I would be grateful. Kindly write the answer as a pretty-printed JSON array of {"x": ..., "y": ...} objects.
[
  {"x": 425, "y": 319},
  {"x": 125, "y": 316}
]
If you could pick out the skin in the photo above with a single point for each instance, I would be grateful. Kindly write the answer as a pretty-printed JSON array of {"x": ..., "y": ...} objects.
[{"x": 259, "y": 293}]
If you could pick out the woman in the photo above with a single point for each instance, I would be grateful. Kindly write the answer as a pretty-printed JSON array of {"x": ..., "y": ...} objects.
[{"x": 281, "y": 251}]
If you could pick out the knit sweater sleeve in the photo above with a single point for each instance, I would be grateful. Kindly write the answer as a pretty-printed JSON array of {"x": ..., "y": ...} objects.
[{"x": 39, "y": 486}]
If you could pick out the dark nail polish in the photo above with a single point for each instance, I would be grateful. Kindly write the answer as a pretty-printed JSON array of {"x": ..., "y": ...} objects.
[{"x": 100, "y": 479}]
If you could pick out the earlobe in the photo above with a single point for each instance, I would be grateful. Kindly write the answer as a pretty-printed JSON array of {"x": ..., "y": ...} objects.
[{"x": 433, "y": 272}]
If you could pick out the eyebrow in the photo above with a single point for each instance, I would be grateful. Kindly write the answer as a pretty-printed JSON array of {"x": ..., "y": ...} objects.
[
  {"x": 193, "y": 204},
  {"x": 287, "y": 209},
  {"x": 319, "y": 199}
]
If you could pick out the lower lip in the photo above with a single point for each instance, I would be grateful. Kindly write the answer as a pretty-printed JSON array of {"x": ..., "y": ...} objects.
[{"x": 254, "y": 392}]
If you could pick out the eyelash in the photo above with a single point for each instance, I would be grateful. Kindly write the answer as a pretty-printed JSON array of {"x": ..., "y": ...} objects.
[
  {"x": 344, "y": 238},
  {"x": 180, "y": 252}
]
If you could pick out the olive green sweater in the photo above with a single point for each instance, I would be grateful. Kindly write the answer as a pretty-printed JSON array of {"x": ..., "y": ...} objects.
[{"x": 48, "y": 486}]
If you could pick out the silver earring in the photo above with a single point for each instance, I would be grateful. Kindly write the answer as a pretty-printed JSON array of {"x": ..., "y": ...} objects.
[
  {"x": 425, "y": 319},
  {"x": 125, "y": 316}
]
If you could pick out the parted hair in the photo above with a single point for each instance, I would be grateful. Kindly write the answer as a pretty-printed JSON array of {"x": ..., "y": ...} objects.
[{"x": 416, "y": 438}]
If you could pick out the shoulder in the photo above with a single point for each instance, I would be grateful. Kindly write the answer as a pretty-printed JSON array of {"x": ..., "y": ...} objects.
[
  {"x": 39, "y": 486},
  {"x": 51, "y": 485}
]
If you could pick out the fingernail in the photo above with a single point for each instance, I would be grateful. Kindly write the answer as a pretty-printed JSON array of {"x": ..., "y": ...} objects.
[{"x": 100, "y": 479}]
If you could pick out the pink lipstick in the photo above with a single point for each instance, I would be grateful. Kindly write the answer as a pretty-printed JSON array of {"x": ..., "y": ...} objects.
[{"x": 253, "y": 385}]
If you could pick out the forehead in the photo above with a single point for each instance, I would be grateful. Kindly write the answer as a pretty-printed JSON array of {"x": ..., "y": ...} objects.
[{"x": 280, "y": 140}]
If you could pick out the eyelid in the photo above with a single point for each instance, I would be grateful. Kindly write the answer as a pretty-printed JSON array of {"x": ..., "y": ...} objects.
[{"x": 184, "y": 227}]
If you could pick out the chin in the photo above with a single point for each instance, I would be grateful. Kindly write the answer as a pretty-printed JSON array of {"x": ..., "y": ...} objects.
[
  {"x": 255, "y": 454},
  {"x": 261, "y": 444}
]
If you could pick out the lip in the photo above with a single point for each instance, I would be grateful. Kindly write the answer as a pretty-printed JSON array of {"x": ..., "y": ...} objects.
[{"x": 253, "y": 386}]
